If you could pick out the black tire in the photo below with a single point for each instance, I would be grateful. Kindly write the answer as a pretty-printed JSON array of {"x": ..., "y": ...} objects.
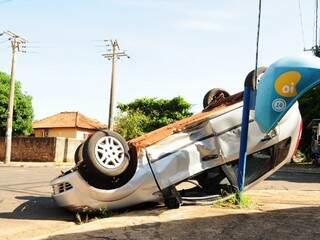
[
  {"x": 78, "y": 157},
  {"x": 172, "y": 203},
  {"x": 210, "y": 180},
  {"x": 90, "y": 155},
  {"x": 213, "y": 96},
  {"x": 101, "y": 181}
]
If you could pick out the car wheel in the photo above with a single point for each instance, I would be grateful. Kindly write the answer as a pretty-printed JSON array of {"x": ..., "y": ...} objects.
[
  {"x": 214, "y": 96},
  {"x": 172, "y": 203},
  {"x": 210, "y": 180},
  {"x": 107, "y": 153},
  {"x": 78, "y": 157}
]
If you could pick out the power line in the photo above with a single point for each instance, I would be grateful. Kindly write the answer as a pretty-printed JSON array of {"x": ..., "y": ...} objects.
[
  {"x": 301, "y": 25},
  {"x": 257, "y": 45},
  {"x": 316, "y": 23},
  {"x": 315, "y": 48}
]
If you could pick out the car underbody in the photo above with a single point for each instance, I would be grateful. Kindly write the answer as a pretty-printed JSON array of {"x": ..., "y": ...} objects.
[{"x": 202, "y": 149}]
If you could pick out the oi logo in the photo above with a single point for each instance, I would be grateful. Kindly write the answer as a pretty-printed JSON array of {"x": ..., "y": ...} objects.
[{"x": 286, "y": 84}]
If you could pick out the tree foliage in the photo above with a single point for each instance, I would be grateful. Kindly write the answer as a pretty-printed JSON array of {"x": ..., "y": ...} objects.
[
  {"x": 22, "y": 112},
  {"x": 147, "y": 114},
  {"x": 310, "y": 109},
  {"x": 131, "y": 125}
]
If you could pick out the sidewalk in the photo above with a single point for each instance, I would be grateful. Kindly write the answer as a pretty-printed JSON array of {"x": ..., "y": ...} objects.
[{"x": 37, "y": 164}]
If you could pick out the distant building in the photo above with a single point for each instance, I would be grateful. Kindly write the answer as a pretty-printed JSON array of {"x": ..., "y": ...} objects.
[{"x": 66, "y": 124}]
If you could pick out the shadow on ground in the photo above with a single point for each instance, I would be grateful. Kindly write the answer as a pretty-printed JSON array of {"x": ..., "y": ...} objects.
[
  {"x": 38, "y": 208},
  {"x": 298, "y": 177},
  {"x": 295, "y": 223},
  {"x": 45, "y": 208}
]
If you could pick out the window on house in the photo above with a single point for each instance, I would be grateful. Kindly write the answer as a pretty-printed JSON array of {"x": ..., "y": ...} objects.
[{"x": 45, "y": 132}]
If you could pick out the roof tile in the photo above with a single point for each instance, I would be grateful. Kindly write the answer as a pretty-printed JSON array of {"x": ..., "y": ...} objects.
[{"x": 68, "y": 119}]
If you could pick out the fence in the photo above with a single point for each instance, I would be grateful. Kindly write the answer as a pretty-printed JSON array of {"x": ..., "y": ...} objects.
[{"x": 40, "y": 149}]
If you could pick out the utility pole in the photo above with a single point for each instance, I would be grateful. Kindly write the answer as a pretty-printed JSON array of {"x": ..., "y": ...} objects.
[
  {"x": 115, "y": 55},
  {"x": 17, "y": 43}
]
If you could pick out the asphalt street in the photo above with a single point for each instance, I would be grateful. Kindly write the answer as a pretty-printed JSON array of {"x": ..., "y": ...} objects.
[{"x": 27, "y": 210}]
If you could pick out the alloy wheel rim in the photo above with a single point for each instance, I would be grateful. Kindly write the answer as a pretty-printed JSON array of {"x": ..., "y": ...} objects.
[{"x": 109, "y": 152}]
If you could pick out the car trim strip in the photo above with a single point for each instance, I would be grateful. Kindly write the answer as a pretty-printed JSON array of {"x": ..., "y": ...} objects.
[{"x": 200, "y": 139}]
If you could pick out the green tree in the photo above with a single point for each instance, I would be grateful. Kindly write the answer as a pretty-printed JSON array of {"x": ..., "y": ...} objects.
[
  {"x": 131, "y": 125},
  {"x": 310, "y": 108},
  {"x": 146, "y": 114},
  {"x": 22, "y": 112}
]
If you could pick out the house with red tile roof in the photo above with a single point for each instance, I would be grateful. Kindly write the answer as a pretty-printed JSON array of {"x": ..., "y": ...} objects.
[{"x": 66, "y": 124}]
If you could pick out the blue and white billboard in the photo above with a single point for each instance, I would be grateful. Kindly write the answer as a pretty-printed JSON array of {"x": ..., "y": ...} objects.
[{"x": 281, "y": 85}]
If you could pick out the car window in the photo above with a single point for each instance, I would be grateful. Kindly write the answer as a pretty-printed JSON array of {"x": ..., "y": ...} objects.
[{"x": 266, "y": 159}]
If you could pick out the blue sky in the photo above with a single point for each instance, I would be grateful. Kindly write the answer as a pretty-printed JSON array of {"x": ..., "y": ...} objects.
[{"x": 177, "y": 47}]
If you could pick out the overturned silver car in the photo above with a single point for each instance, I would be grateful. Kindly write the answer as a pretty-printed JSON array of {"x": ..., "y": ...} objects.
[{"x": 112, "y": 173}]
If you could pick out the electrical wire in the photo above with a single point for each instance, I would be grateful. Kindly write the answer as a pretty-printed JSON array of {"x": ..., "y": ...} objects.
[
  {"x": 301, "y": 25},
  {"x": 316, "y": 23},
  {"x": 257, "y": 45}
]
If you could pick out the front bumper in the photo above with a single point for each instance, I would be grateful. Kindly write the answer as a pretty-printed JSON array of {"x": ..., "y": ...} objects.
[{"x": 71, "y": 191}]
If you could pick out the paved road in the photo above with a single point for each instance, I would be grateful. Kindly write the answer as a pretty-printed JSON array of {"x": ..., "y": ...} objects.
[
  {"x": 28, "y": 211},
  {"x": 27, "y": 203}
]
